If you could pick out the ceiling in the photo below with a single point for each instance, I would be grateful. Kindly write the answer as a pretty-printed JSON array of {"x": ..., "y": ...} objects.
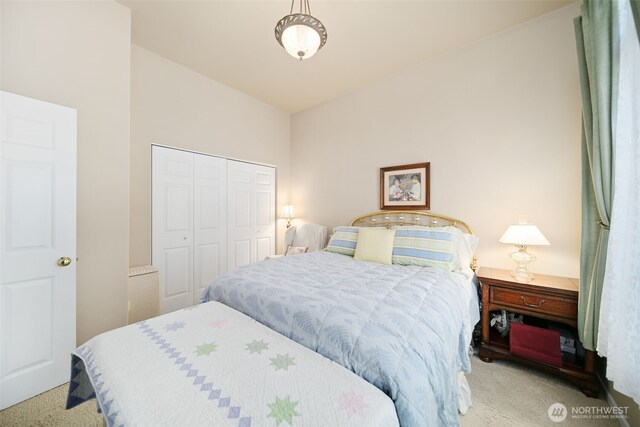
[{"x": 233, "y": 41}]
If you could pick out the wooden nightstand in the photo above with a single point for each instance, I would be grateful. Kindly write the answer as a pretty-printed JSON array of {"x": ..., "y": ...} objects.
[{"x": 545, "y": 297}]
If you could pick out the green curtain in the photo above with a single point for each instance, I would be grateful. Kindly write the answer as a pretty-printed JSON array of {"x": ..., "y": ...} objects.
[
  {"x": 635, "y": 10},
  {"x": 598, "y": 81}
]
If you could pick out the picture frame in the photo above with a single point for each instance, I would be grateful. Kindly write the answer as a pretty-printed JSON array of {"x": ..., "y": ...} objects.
[{"x": 405, "y": 187}]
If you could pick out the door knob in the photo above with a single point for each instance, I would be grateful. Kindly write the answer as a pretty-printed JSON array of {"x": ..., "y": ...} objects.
[{"x": 64, "y": 261}]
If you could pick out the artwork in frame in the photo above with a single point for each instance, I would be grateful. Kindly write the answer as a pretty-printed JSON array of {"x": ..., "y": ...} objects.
[{"x": 405, "y": 187}]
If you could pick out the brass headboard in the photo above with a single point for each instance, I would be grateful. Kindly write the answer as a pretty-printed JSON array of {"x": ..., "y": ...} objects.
[{"x": 408, "y": 218}]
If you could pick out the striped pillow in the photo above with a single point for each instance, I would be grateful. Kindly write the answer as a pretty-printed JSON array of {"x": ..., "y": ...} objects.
[
  {"x": 427, "y": 247},
  {"x": 344, "y": 241}
]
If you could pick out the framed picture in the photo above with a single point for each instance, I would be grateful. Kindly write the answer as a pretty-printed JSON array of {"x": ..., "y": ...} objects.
[{"x": 405, "y": 187}]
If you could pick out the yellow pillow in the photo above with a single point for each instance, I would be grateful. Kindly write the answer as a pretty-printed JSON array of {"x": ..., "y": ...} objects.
[{"x": 375, "y": 244}]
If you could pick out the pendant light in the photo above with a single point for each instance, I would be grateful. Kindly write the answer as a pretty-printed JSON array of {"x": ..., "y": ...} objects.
[{"x": 301, "y": 34}]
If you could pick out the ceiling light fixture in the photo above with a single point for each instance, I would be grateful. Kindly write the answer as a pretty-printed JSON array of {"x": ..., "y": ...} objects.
[{"x": 301, "y": 34}]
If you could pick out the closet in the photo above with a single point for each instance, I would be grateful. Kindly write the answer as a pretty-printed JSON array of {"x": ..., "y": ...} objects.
[{"x": 209, "y": 215}]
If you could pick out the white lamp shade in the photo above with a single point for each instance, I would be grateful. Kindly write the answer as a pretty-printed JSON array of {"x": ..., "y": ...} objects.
[
  {"x": 287, "y": 212},
  {"x": 524, "y": 234},
  {"x": 301, "y": 41}
]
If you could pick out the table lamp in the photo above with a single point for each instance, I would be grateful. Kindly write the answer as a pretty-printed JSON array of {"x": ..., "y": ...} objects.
[
  {"x": 288, "y": 212},
  {"x": 523, "y": 235}
]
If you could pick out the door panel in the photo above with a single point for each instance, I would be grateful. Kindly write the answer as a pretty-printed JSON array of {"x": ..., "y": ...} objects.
[
  {"x": 242, "y": 211},
  {"x": 210, "y": 266},
  {"x": 31, "y": 341},
  {"x": 177, "y": 268},
  {"x": 209, "y": 199},
  {"x": 263, "y": 247},
  {"x": 30, "y": 219},
  {"x": 241, "y": 253},
  {"x": 263, "y": 208},
  {"x": 210, "y": 219},
  {"x": 38, "y": 222},
  {"x": 251, "y": 208},
  {"x": 265, "y": 200},
  {"x": 178, "y": 207},
  {"x": 172, "y": 226}
]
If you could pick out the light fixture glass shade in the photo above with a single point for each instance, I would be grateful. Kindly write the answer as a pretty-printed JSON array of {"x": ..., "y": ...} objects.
[
  {"x": 301, "y": 34},
  {"x": 288, "y": 212},
  {"x": 524, "y": 234},
  {"x": 301, "y": 41}
]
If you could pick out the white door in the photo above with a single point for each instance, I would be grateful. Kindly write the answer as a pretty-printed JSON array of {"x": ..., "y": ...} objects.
[
  {"x": 251, "y": 213},
  {"x": 38, "y": 254},
  {"x": 172, "y": 226},
  {"x": 210, "y": 220}
]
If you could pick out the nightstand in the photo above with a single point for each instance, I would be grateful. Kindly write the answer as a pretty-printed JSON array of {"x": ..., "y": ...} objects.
[{"x": 550, "y": 298}]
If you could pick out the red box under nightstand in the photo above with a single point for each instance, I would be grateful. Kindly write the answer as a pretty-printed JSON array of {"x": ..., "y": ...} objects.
[{"x": 535, "y": 343}]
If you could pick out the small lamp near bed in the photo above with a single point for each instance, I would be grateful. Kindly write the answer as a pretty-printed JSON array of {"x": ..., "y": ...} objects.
[
  {"x": 288, "y": 212},
  {"x": 523, "y": 235}
]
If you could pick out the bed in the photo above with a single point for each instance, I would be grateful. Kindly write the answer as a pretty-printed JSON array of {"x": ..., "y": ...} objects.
[
  {"x": 404, "y": 328},
  {"x": 313, "y": 339}
]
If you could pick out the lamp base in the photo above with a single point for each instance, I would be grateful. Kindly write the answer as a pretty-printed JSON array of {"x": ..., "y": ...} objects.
[{"x": 522, "y": 258}]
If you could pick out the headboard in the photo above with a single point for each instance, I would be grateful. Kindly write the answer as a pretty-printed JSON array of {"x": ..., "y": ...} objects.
[{"x": 411, "y": 218}]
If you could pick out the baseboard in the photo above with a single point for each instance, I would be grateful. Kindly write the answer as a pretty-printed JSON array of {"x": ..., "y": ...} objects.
[{"x": 604, "y": 384}]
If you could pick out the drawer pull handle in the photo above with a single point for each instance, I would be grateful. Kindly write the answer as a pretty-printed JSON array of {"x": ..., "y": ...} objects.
[{"x": 532, "y": 305}]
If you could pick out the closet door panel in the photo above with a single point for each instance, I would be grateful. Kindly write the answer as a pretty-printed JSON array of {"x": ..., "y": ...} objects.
[
  {"x": 265, "y": 206},
  {"x": 172, "y": 226},
  {"x": 210, "y": 221},
  {"x": 241, "y": 252},
  {"x": 241, "y": 211},
  {"x": 251, "y": 213}
]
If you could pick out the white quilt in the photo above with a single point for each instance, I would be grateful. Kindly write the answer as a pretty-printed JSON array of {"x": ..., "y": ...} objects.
[{"x": 211, "y": 365}]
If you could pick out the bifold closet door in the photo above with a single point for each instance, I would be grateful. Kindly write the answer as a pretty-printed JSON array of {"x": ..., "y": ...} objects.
[
  {"x": 172, "y": 226},
  {"x": 210, "y": 221},
  {"x": 189, "y": 224},
  {"x": 251, "y": 212}
]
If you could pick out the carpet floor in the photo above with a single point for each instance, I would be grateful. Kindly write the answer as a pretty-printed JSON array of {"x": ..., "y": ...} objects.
[{"x": 503, "y": 394}]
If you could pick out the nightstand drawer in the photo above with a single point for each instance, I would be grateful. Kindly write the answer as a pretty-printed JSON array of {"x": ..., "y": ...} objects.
[{"x": 552, "y": 305}]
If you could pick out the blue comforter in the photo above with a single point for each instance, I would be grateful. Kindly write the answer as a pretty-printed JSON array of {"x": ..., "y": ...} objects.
[{"x": 402, "y": 328}]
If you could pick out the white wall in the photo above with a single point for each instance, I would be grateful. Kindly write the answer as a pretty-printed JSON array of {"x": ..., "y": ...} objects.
[
  {"x": 499, "y": 121},
  {"x": 175, "y": 106},
  {"x": 78, "y": 54}
]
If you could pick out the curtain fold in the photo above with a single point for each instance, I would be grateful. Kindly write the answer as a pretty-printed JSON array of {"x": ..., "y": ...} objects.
[
  {"x": 619, "y": 331},
  {"x": 598, "y": 84},
  {"x": 635, "y": 11}
]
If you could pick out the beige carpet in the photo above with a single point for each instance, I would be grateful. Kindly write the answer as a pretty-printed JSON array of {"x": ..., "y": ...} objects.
[
  {"x": 47, "y": 409},
  {"x": 508, "y": 394},
  {"x": 503, "y": 394}
]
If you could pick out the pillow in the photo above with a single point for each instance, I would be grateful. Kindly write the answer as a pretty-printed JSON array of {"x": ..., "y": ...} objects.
[
  {"x": 343, "y": 241},
  {"x": 375, "y": 244},
  {"x": 295, "y": 250},
  {"x": 428, "y": 247}
]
